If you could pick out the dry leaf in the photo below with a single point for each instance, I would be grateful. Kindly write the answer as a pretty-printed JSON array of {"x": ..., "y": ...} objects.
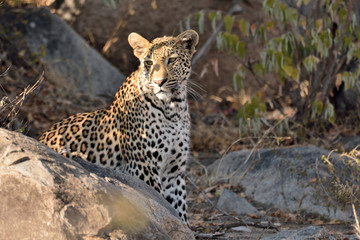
[
  {"x": 153, "y": 4},
  {"x": 338, "y": 80},
  {"x": 215, "y": 64}
]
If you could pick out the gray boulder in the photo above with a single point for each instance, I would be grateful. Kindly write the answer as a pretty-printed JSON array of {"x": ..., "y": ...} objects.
[
  {"x": 231, "y": 202},
  {"x": 69, "y": 60},
  {"x": 46, "y": 196},
  {"x": 351, "y": 143},
  {"x": 285, "y": 178}
]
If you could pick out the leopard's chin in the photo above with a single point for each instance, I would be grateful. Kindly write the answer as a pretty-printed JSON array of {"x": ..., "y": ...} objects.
[{"x": 164, "y": 96}]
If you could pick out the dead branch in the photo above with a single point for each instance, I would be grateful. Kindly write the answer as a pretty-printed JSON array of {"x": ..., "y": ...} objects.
[
  {"x": 5, "y": 72},
  {"x": 16, "y": 104},
  {"x": 356, "y": 225}
]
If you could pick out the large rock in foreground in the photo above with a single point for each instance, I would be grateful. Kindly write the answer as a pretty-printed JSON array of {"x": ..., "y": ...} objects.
[
  {"x": 293, "y": 179},
  {"x": 46, "y": 196}
]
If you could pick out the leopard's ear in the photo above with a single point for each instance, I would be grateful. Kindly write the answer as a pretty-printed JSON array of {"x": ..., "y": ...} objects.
[
  {"x": 139, "y": 44},
  {"x": 188, "y": 40}
]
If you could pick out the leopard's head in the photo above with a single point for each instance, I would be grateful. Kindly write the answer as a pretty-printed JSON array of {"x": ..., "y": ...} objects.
[{"x": 165, "y": 63}]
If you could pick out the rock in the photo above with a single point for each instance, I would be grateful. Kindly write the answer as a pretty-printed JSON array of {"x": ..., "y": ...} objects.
[
  {"x": 311, "y": 232},
  {"x": 241, "y": 229},
  {"x": 68, "y": 58},
  {"x": 46, "y": 196},
  {"x": 231, "y": 202},
  {"x": 346, "y": 101},
  {"x": 285, "y": 178},
  {"x": 351, "y": 143}
]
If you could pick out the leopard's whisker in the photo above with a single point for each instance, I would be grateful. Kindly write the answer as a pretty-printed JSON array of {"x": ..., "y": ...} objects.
[{"x": 196, "y": 85}]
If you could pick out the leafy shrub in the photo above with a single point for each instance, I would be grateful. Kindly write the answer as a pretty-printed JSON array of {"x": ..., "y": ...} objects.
[{"x": 311, "y": 47}]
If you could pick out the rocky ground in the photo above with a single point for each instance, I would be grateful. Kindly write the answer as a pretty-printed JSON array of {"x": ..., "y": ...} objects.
[{"x": 269, "y": 201}]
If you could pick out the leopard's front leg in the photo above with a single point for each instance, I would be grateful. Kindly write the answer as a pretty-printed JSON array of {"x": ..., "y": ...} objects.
[
  {"x": 173, "y": 185},
  {"x": 146, "y": 173}
]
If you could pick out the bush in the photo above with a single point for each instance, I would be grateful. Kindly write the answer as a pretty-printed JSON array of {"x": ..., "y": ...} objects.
[{"x": 311, "y": 47}]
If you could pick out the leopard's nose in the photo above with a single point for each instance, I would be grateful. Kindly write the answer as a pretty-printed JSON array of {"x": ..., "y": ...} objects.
[{"x": 160, "y": 82}]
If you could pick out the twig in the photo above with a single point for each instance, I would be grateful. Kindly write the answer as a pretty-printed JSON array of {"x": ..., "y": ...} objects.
[
  {"x": 120, "y": 25},
  {"x": 356, "y": 225},
  {"x": 19, "y": 100},
  {"x": 6, "y": 72}
]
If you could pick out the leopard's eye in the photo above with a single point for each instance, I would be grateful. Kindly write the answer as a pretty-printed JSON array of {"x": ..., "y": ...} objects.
[
  {"x": 148, "y": 63},
  {"x": 172, "y": 60}
]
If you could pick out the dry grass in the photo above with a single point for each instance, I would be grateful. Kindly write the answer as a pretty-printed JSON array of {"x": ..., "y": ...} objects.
[
  {"x": 9, "y": 109},
  {"x": 341, "y": 188},
  {"x": 356, "y": 225}
]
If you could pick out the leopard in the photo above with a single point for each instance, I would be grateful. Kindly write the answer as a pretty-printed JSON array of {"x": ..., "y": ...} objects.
[{"x": 145, "y": 132}]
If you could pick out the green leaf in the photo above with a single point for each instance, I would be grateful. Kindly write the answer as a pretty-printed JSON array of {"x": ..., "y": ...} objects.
[
  {"x": 291, "y": 72},
  {"x": 316, "y": 107},
  {"x": 310, "y": 63},
  {"x": 232, "y": 41},
  {"x": 292, "y": 16},
  {"x": 244, "y": 27},
  {"x": 283, "y": 16},
  {"x": 187, "y": 22},
  {"x": 214, "y": 17},
  {"x": 329, "y": 113},
  {"x": 220, "y": 41},
  {"x": 357, "y": 53},
  {"x": 345, "y": 78},
  {"x": 240, "y": 49},
  {"x": 200, "y": 18},
  {"x": 268, "y": 4},
  {"x": 357, "y": 32},
  {"x": 342, "y": 15},
  {"x": 253, "y": 109},
  {"x": 263, "y": 32},
  {"x": 229, "y": 22},
  {"x": 211, "y": 16},
  {"x": 237, "y": 81},
  {"x": 258, "y": 68},
  {"x": 269, "y": 25},
  {"x": 319, "y": 24}
]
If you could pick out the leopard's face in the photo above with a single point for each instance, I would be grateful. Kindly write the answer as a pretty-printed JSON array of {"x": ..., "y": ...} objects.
[
  {"x": 165, "y": 62},
  {"x": 166, "y": 69}
]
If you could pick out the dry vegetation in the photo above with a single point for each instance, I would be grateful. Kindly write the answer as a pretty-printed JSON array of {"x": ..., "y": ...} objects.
[{"x": 31, "y": 101}]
